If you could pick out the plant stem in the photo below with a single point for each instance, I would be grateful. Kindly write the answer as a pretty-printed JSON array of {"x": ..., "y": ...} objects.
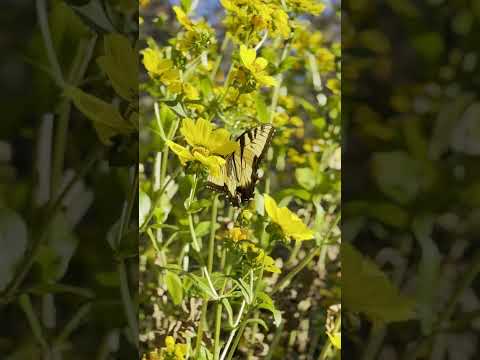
[
  {"x": 280, "y": 285},
  {"x": 129, "y": 308},
  {"x": 201, "y": 326},
  {"x": 211, "y": 243},
  {"x": 74, "y": 323},
  {"x": 127, "y": 302},
  {"x": 218, "y": 314},
  {"x": 33, "y": 320},
  {"x": 47, "y": 39},
  {"x": 276, "y": 90},
  {"x": 275, "y": 341},
  {"x": 234, "y": 330},
  {"x": 237, "y": 340},
  {"x": 328, "y": 345}
]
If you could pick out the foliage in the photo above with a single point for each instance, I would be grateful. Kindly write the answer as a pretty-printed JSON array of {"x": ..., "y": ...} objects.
[
  {"x": 263, "y": 280},
  {"x": 67, "y": 185}
]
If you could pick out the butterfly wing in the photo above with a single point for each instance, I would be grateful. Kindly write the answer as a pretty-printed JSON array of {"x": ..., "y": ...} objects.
[
  {"x": 225, "y": 183},
  {"x": 238, "y": 176},
  {"x": 253, "y": 145}
]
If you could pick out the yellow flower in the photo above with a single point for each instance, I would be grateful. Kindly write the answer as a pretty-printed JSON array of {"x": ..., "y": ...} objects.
[
  {"x": 238, "y": 234},
  {"x": 308, "y": 6},
  {"x": 208, "y": 144},
  {"x": 171, "y": 348},
  {"x": 163, "y": 69},
  {"x": 256, "y": 66},
  {"x": 334, "y": 86},
  {"x": 144, "y": 3},
  {"x": 291, "y": 225}
]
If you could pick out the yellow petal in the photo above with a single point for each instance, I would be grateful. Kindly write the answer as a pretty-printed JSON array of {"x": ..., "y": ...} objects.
[
  {"x": 182, "y": 152},
  {"x": 170, "y": 343},
  {"x": 266, "y": 80},
  {"x": 170, "y": 75},
  {"x": 292, "y": 226},
  {"x": 271, "y": 208},
  {"x": 219, "y": 143},
  {"x": 196, "y": 133},
  {"x": 247, "y": 55},
  {"x": 260, "y": 63},
  {"x": 154, "y": 63},
  {"x": 182, "y": 17},
  {"x": 213, "y": 163}
]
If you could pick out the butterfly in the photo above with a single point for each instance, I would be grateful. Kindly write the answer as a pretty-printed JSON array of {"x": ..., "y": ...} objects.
[{"x": 238, "y": 176}]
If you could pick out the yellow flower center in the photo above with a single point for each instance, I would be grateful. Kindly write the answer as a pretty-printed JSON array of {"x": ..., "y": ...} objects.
[{"x": 200, "y": 149}]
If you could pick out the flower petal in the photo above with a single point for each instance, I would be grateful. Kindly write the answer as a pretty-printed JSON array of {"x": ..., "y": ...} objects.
[
  {"x": 213, "y": 163},
  {"x": 220, "y": 143},
  {"x": 260, "y": 63},
  {"x": 292, "y": 226},
  {"x": 182, "y": 17},
  {"x": 271, "y": 208},
  {"x": 266, "y": 80},
  {"x": 247, "y": 55},
  {"x": 182, "y": 152}
]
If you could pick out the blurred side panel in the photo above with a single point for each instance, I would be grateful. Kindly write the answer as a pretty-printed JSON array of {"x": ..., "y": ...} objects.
[
  {"x": 410, "y": 179},
  {"x": 68, "y": 179}
]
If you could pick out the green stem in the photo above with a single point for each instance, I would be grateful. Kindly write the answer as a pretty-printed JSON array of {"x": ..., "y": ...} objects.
[
  {"x": 233, "y": 332},
  {"x": 218, "y": 314},
  {"x": 275, "y": 341},
  {"x": 33, "y": 320},
  {"x": 223, "y": 47},
  {"x": 276, "y": 90},
  {"x": 211, "y": 243},
  {"x": 47, "y": 39},
  {"x": 327, "y": 347},
  {"x": 286, "y": 280},
  {"x": 201, "y": 326},
  {"x": 237, "y": 340},
  {"x": 127, "y": 301},
  {"x": 73, "y": 324},
  {"x": 156, "y": 201}
]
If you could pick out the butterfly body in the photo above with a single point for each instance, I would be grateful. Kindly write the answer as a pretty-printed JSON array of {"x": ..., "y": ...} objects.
[{"x": 239, "y": 174}]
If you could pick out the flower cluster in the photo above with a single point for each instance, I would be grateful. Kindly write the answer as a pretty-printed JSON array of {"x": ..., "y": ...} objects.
[{"x": 171, "y": 351}]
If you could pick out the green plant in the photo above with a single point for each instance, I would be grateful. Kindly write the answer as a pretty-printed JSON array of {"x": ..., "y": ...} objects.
[{"x": 254, "y": 281}]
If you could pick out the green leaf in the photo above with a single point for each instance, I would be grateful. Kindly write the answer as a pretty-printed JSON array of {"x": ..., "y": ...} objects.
[
  {"x": 429, "y": 45},
  {"x": 306, "y": 178},
  {"x": 228, "y": 307},
  {"x": 144, "y": 206},
  {"x": 202, "y": 228},
  {"x": 197, "y": 205},
  {"x": 13, "y": 244},
  {"x": 106, "y": 118},
  {"x": 108, "y": 279},
  {"x": 120, "y": 63},
  {"x": 174, "y": 287},
  {"x": 397, "y": 175},
  {"x": 257, "y": 321},
  {"x": 57, "y": 250},
  {"x": 367, "y": 290},
  {"x": 94, "y": 14},
  {"x": 202, "y": 285},
  {"x": 262, "y": 110},
  {"x": 267, "y": 304}
]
